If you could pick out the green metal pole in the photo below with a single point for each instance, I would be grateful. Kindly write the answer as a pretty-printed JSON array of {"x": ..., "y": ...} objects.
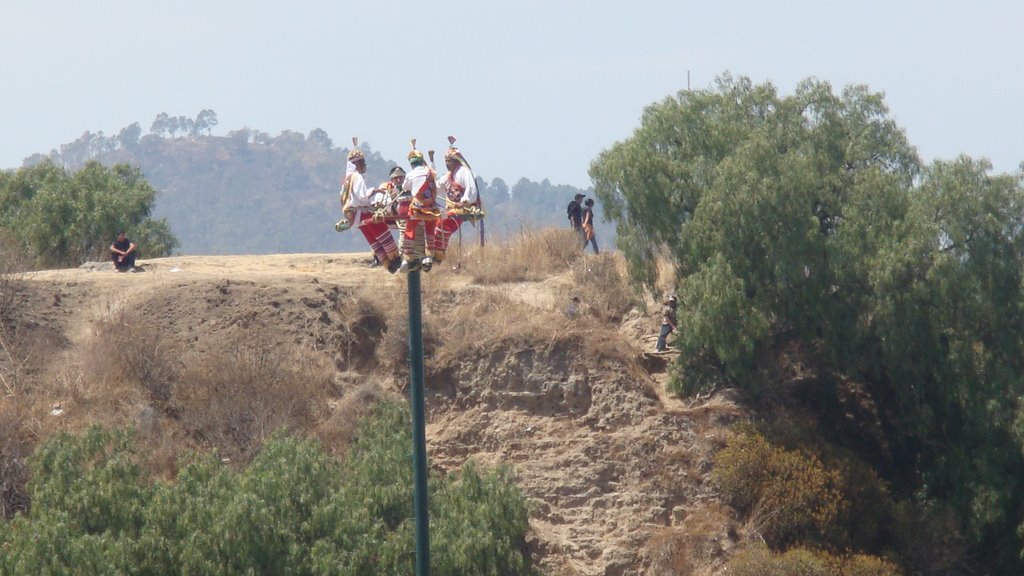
[{"x": 419, "y": 427}]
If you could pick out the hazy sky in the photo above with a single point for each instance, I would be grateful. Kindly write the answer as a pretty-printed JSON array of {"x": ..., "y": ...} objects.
[{"x": 531, "y": 88}]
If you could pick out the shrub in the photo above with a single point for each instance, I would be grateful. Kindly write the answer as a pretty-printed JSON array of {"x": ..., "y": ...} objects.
[
  {"x": 478, "y": 521},
  {"x": 928, "y": 539},
  {"x": 22, "y": 349},
  {"x": 293, "y": 511},
  {"x": 867, "y": 523},
  {"x": 233, "y": 403},
  {"x": 213, "y": 521},
  {"x": 760, "y": 561},
  {"x": 483, "y": 518},
  {"x": 19, "y": 357},
  {"x": 93, "y": 480},
  {"x": 127, "y": 351},
  {"x": 696, "y": 374},
  {"x": 15, "y": 447},
  {"x": 601, "y": 283},
  {"x": 531, "y": 256},
  {"x": 789, "y": 496}
]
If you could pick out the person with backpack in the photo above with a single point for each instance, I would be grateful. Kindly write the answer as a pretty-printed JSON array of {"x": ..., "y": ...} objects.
[{"x": 575, "y": 214}]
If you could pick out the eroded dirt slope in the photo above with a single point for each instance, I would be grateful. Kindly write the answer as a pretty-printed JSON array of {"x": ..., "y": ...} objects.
[{"x": 614, "y": 469}]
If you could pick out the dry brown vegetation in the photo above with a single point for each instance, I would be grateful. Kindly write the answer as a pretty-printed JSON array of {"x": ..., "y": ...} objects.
[{"x": 25, "y": 348}]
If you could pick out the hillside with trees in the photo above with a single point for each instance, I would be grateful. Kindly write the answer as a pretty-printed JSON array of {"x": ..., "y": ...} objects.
[
  {"x": 253, "y": 193},
  {"x": 805, "y": 226},
  {"x": 844, "y": 393}
]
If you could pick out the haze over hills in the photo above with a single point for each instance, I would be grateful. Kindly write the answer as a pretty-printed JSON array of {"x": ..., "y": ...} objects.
[{"x": 253, "y": 193}]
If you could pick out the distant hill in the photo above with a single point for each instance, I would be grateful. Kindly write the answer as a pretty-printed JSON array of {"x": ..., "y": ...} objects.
[{"x": 252, "y": 193}]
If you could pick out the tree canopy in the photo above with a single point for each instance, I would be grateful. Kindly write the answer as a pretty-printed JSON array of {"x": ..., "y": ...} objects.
[
  {"x": 294, "y": 510},
  {"x": 809, "y": 218},
  {"x": 62, "y": 219}
]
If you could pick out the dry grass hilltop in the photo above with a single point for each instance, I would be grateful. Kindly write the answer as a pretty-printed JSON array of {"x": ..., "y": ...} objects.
[{"x": 219, "y": 351}]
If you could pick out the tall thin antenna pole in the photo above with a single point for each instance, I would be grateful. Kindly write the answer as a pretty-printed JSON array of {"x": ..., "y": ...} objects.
[{"x": 419, "y": 427}]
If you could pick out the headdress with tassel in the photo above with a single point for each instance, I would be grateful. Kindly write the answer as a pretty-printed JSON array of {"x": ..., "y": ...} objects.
[
  {"x": 355, "y": 153},
  {"x": 415, "y": 156},
  {"x": 454, "y": 154}
]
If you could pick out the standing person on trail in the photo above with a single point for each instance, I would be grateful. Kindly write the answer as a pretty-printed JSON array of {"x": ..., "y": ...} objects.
[
  {"x": 588, "y": 225},
  {"x": 123, "y": 253},
  {"x": 575, "y": 214},
  {"x": 458, "y": 186},
  {"x": 668, "y": 323},
  {"x": 358, "y": 210},
  {"x": 420, "y": 189}
]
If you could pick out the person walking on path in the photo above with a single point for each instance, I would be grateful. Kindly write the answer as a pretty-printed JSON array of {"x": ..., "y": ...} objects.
[
  {"x": 668, "y": 323},
  {"x": 588, "y": 225}
]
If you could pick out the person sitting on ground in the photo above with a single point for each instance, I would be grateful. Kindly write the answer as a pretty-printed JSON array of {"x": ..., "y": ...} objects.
[
  {"x": 573, "y": 309},
  {"x": 668, "y": 323},
  {"x": 123, "y": 253}
]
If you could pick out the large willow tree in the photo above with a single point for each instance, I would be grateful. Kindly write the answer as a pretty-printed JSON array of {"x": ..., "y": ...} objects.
[{"x": 810, "y": 218}]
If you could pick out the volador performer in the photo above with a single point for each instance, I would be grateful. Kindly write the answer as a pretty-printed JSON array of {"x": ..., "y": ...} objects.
[
  {"x": 462, "y": 202},
  {"x": 421, "y": 211},
  {"x": 358, "y": 210}
]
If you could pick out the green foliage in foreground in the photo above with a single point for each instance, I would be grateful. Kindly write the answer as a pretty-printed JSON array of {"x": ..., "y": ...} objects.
[
  {"x": 808, "y": 220},
  {"x": 293, "y": 511},
  {"x": 62, "y": 219}
]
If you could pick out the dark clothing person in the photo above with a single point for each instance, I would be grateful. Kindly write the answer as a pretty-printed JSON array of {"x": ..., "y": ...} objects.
[
  {"x": 588, "y": 226},
  {"x": 668, "y": 323},
  {"x": 123, "y": 253},
  {"x": 575, "y": 214}
]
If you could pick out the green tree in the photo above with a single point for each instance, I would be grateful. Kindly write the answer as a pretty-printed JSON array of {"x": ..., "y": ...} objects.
[
  {"x": 293, "y": 511},
  {"x": 947, "y": 322},
  {"x": 129, "y": 136},
  {"x": 808, "y": 218},
  {"x": 760, "y": 180},
  {"x": 62, "y": 219},
  {"x": 161, "y": 124},
  {"x": 204, "y": 122}
]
